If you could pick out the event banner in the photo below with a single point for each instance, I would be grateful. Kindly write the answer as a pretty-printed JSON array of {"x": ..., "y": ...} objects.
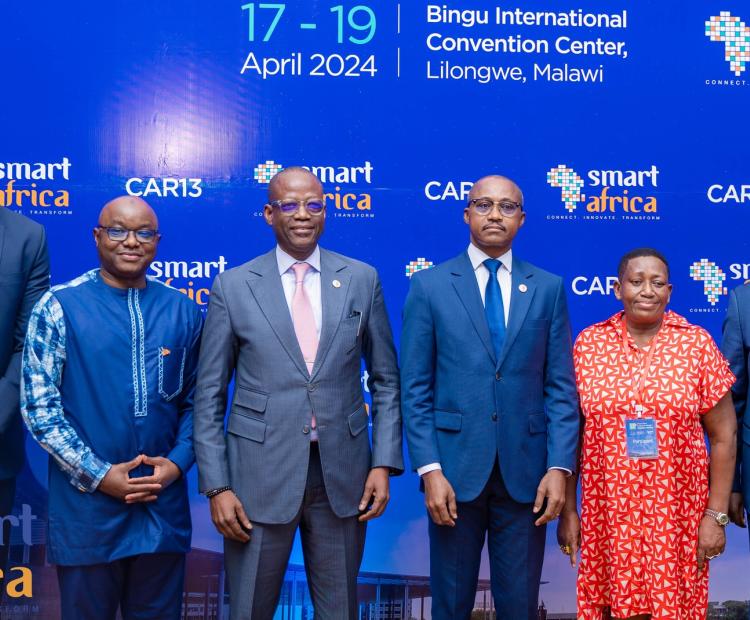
[{"x": 622, "y": 122}]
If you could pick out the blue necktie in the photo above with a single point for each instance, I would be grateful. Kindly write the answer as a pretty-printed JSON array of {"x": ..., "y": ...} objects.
[{"x": 493, "y": 306}]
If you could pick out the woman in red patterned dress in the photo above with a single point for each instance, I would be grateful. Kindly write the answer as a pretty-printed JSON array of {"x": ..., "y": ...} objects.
[{"x": 650, "y": 384}]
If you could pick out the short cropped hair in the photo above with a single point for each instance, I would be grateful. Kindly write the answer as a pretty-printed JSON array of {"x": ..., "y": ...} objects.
[{"x": 639, "y": 253}]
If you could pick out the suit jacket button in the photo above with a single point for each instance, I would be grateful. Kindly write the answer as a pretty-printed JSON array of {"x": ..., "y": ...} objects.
[
  {"x": 311, "y": 387},
  {"x": 498, "y": 376},
  {"x": 306, "y": 429},
  {"x": 494, "y": 416}
]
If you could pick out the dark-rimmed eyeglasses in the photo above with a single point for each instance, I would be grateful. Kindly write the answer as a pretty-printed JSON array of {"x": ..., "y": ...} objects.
[
  {"x": 314, "y": 206},
  {"x": 483, "y": 206},
  {"x": 142, "y": 235}
]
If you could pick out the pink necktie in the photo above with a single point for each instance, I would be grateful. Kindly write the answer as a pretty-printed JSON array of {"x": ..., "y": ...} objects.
[
  {"x": 303, "y": 318},
  {"x": 304, "y": 326}
]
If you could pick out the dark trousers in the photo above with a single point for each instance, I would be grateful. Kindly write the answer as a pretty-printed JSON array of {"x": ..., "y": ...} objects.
[
  {"x": 516, "y": 549},
  {"x": 144, "y": 587},
  {"x": 332, "y": 548},
  {"x": 7, "y": 495}
]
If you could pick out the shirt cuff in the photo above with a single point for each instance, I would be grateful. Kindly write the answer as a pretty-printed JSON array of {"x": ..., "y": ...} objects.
[
  {"x": 182, "y": 456},
  {"x": 565, "y": 470},
  {"x": 90, "y": 473},
  {"x": 425, "y": 469}
]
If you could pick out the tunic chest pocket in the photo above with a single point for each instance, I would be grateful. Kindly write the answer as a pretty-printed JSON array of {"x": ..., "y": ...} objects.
[{"x": 171, "y": 371}]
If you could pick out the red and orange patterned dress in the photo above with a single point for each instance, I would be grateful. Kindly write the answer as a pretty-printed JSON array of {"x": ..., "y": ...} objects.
[{"x": 639, "y": 518}]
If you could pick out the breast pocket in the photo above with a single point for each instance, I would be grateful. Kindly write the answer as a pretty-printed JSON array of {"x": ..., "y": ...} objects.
[{"x": 171, "y": 371}]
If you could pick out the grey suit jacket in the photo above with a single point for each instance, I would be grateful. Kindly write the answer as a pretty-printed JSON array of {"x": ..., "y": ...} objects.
[
  {"x": 24, "y": 277},
  {"x": 264, "y": 453}
]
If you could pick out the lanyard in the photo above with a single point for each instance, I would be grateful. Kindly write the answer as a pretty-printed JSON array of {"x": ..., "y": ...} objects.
[{"x": 645, "y": 365}]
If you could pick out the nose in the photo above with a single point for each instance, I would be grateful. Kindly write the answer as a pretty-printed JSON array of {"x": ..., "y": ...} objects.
[
  {"x": 495, "y": 212},
  {"x": 131, "y": 240},
  {"x": 302, "y": 213},
  {"x": 648, "y": 290}
]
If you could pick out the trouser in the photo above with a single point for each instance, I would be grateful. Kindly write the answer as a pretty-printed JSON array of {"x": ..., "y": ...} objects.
[
  {"x": 516, "y": 549},
  {"x": 144, "y": 587},
  {"x": 332, "y": 548}
]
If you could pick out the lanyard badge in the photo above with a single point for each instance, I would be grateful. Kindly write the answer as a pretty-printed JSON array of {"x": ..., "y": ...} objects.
[{"x": 641, "y": 437}]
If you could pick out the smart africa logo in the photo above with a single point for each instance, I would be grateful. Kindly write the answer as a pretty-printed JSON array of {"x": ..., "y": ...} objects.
[
  {"x": 713, "y": 278},
  {"x": 735, "y": 34},
  {"x": 264, "y": 172},
  {"x": 417, "y": 265},
  {"x": 569, "y": 183}
]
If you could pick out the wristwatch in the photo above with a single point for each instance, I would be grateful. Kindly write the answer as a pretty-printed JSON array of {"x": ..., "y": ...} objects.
[{"x": 721, "y": 517}]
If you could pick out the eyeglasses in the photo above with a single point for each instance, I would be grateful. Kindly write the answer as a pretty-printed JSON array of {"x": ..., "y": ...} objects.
[
  {"x": 314, "y": 206},
  {"x": 483, "y": 206},
  {"x": 142, "y": 235}
]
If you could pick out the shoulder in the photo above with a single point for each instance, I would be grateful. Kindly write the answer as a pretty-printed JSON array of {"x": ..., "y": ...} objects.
[
  {"x": 683, "y": 328},
  {"x": 742, "y": 294},
  {"x": 76, "y": 286},
  {"x": 542, "y": 277},
  {"x": 357, "y": 267},
  {"x": 596, "y": 332},
  {"x": 440, "y": 272},
  {"x": 20, "y": 224},
  {"x": 175, "y": 297}
]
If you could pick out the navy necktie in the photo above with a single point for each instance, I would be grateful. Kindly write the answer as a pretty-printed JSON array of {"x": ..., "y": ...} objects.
[{"x": 493, "y": 306}]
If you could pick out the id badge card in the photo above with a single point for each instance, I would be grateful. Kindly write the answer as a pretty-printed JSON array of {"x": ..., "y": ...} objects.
[{"x": 640, "y": 435}]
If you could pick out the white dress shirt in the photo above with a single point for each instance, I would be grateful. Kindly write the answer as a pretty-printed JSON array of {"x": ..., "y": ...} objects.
[
  {"x": 311, "y": 282},
  {"x": 504, "y": 279}
]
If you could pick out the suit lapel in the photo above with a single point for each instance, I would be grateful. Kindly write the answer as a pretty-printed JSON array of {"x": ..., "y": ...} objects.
[
  {"x": 465, "y": 283},
  {"x": 333, "y": 299},
  {"x": 265, "y": 284},
  {"x": 520, "y": 302}
]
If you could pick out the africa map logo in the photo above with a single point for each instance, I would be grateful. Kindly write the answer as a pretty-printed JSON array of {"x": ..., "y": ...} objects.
[
  {"x": 713, "y": 278},
  {"x": 417, "y": 265},
  {"x": 263, "y": 173},
  {"x": 735, "y": 35},
  {"x": 570, "y": 184}
]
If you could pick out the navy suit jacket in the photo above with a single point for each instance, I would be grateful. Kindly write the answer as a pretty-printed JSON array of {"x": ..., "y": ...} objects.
[
  {"x": 463, "y": 407},
  {"x": 736, "y": 347},
  {"x": 24, "y": 277}
]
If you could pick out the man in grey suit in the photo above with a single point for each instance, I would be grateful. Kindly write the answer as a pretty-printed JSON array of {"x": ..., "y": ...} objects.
[
  {"x": 292, "y": 326},
  {"x": 24, "y": 277}
]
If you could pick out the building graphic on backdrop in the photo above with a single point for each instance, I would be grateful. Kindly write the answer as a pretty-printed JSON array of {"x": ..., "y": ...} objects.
[
  {"x": 735, "y": 35},
  {"x": 264, "y": 172}
]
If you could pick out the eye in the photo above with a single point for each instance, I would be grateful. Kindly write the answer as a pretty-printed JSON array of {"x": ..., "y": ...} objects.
[{"x": 635, "y": 282}]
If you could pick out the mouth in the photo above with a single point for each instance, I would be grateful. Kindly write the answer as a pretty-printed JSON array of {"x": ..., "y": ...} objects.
[
  {"x": 302, "y": 232},
  {"x": 130, "y": 256},
  {"x": 494, "y": 228}
]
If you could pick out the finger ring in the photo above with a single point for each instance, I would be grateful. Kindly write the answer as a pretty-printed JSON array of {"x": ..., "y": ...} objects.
[{"x": 565, "y": 549}]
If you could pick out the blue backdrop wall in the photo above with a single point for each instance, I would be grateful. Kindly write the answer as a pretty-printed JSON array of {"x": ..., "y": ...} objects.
[{"x": 625, "y": 124}]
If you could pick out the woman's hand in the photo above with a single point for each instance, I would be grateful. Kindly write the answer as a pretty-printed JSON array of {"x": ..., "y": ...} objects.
[
  {"x": 569, "y": 534},
  {"x": 711, "y": 540}
]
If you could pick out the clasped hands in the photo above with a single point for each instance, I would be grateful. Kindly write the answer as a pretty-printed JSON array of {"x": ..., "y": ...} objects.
[{"x": 118, "y": 483}]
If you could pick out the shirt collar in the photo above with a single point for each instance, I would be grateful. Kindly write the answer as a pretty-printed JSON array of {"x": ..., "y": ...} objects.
[
  {"x": 284, "y": 261},
  {"x": 477, "y": 257}
]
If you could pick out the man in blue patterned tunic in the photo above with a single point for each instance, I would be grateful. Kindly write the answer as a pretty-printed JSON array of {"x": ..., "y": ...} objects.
[{"x": 107, "y": 389}]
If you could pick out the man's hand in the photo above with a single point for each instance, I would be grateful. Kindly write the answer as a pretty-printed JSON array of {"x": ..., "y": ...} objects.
[
  {"x": 119, "y": 484},
  {"x": 229, "y": 517},
  {"x": 737, "y": 509},
  {"x": 440, "y": 498},
  {"x": 552, "y": 487},
  {"x": 711, "y": 540},
  {"x": 377, "y": 490},
  {"x": 569, "y": 533},
  {"x": 165, "y": 473}
]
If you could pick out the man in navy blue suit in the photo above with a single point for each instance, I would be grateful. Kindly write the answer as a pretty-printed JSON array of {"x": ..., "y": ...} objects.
[
  {"x": 24, "y": 277},
  {"x": 736, "y": 347},
  {"x": 490, "y": 408}
]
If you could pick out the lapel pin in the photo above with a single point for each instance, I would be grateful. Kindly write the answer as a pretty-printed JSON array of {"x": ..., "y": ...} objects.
[
  {"x": 523, "y": 288},
  {"x": 336, "y": 284}
]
